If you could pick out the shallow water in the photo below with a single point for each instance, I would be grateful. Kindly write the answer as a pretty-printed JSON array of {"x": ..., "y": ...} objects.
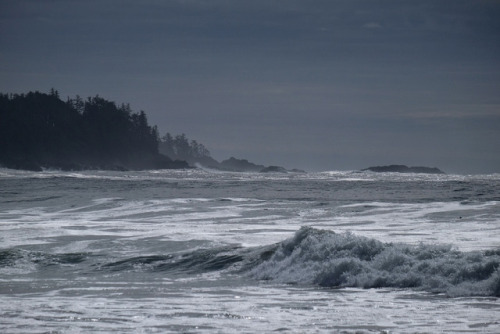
[{"x": 205, "y": 252}]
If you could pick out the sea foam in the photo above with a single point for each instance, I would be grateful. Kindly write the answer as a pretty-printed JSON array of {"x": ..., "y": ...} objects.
[{"x": 330, "y": 259}]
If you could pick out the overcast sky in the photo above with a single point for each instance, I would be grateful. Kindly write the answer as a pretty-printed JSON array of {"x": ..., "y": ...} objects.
[{"x": 317, "y": 85}]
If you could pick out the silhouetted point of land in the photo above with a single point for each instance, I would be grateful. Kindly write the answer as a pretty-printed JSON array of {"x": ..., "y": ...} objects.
[{"x": 40, "y": 131}]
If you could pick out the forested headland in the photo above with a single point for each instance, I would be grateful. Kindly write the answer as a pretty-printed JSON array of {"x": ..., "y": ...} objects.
[
  {"x": 40, "y": 130},
  {"x": 196, "y": 154}
]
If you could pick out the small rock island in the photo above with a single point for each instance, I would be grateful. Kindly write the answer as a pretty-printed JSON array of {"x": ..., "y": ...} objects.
[{"x": 404, "y": 169}]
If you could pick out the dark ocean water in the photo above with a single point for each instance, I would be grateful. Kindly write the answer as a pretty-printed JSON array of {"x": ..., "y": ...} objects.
[{"x": 212, "y": 252}]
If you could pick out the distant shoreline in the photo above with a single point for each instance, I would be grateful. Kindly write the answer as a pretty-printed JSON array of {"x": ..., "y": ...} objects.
[{"x": 40, "y": 131}]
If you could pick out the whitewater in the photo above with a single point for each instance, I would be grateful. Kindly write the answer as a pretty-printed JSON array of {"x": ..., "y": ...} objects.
[{"x": 198, "y": 251}]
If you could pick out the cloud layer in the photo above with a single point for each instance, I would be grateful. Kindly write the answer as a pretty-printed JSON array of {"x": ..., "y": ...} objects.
[{"x": 308, "y": 84}]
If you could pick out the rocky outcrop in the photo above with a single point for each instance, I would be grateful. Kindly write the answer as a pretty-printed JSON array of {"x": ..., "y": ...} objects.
[
  {"x": 273, "y": 169},
  {"x": 240, "y": 165}
]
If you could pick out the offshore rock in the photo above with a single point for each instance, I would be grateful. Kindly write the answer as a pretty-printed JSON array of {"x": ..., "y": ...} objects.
[
  {"x": 239, "y": 165},
  {"x": 273, "y": 169}
]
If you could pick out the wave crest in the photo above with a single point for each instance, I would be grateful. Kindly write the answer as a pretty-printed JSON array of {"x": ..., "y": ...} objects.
[
  {"x": 329, "y": 259},
  {"x": 193, "y": 262}
]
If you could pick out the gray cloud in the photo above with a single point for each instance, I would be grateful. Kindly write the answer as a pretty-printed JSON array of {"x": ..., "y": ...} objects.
[{"x": 309, "y": 84}]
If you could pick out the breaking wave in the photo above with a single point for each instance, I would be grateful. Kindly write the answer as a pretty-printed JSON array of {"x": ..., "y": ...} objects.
[
  {"x": 310, "y": 257},
  {"x": 334, "y": 260},
  {"x": 191, "y": 262}
]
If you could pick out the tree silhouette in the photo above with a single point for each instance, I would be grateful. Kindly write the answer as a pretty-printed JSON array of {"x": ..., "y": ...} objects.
[
  {"x": 39, "y": 130},
  {"x": 180, "y": 147}
]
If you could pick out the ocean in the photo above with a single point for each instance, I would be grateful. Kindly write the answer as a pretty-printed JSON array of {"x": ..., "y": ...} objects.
[{"x": 200, "y": 251}]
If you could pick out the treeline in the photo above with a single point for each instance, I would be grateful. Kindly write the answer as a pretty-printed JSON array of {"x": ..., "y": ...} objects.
[
  {"x": 40, "y": 130},
  {"x": 181, "y": 148}
]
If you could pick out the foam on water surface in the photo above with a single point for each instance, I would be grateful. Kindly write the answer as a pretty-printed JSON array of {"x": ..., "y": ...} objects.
[
  {"x": 329, "y": 259},
  {"x": 195, "y": 251}
]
